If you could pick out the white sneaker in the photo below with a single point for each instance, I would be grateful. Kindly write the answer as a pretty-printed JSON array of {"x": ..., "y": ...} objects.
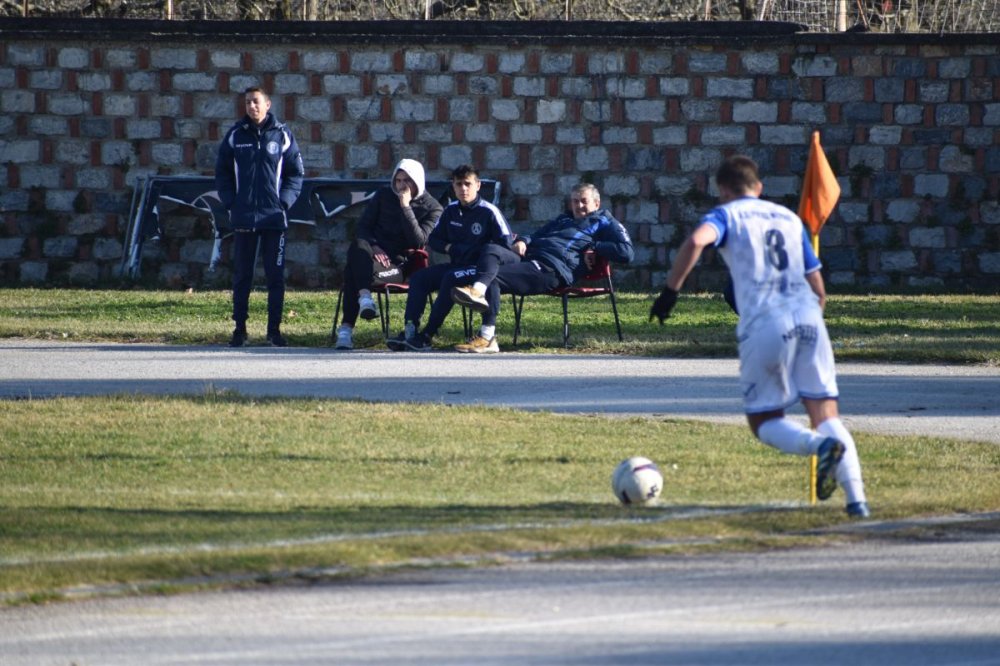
[
  {"x": 344, "y": 338},
  {"x": 368, "y": 308}
]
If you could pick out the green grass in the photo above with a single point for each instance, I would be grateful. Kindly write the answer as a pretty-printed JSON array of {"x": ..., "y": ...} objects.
[
  {"x": 133, "y": 490},
  {"x": 911, "y": 329},
  {"x": 123, "y": 493}
]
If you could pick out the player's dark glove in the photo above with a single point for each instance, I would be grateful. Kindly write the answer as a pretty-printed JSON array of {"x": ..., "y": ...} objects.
[{"x": 663, "y": 304}]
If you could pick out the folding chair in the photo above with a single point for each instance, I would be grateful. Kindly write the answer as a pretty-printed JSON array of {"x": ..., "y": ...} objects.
[
  {"x": 416, "y": 260},
  {"x": 600, "y": 273}
]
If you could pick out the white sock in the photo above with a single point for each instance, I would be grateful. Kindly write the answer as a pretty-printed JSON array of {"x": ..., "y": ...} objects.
[
  {"x": 363, "y": 294},
  {"x": 789, "y": 436},
  {"x": 345, "y": 327},
  {"x": 487, "y": 332},
  {"x": 849, "y": 470},
  {"x": 479, "y": 287}
]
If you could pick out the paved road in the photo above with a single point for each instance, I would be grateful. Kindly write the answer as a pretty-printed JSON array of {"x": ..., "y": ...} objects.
[
  {"x": 875, "y": 602},
  {"x": 945, "y": 401}
]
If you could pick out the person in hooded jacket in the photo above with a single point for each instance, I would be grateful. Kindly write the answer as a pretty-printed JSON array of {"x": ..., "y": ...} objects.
[
  {"x": 397, "y": 221},
  {"x": 258, "y": 175}
]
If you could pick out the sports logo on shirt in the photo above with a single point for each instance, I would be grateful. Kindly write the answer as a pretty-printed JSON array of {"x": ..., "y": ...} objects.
[
  {"x": 477, "y": 229},
  {"x": 272, "y": 147}
]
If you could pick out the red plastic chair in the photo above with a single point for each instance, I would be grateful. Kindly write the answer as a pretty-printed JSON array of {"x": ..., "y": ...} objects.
[
  {"x": 416, "y": 260},
  {"x": 597, "y": 282}
]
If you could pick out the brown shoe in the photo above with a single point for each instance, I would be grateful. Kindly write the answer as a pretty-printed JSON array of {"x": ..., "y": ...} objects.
[
  {"x": 479, "y": 345},
  {"x": 470, "y": 298}
]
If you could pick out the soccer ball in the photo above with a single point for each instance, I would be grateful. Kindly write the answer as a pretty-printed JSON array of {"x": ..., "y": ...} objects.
[{"x": 637, "y": 482}]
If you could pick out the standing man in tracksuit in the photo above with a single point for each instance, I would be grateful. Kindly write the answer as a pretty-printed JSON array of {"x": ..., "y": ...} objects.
[
  {"x": 554, "y": 256},
  {"x": 465, "y": 228},
  {"x": 258, "y": 175}
]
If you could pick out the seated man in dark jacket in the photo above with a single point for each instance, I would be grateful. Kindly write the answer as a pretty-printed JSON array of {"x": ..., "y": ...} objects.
[
  {"x": 554, "y": 256},
  {"x": 397, "y": 221}
]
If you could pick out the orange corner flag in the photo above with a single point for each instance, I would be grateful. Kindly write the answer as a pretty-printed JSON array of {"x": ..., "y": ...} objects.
[{"x": 820, "y": 189}]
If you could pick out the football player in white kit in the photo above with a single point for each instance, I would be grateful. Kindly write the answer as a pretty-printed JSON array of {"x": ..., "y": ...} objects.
[{"x": 785, "y": 352}]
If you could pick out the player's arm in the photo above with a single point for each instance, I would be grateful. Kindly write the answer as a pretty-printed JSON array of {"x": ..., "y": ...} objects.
[{"x": 815, "y": 280}]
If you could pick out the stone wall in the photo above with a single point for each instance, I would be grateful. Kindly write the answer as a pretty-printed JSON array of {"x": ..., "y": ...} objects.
[{"x": 910, "y": 123}]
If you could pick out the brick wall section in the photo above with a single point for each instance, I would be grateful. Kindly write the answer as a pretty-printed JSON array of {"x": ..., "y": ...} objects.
[{"x": 911, "y": 126}]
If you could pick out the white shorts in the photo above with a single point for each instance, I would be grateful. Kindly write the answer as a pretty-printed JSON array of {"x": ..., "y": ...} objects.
[{"x": 784, "y": 357}]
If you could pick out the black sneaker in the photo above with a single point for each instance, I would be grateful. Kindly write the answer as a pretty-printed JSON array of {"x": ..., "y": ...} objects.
[
  {"x": 827, "y": 458},
  {"x": 419, "y": 342},
  {"x": 276, "y": 340},
  {"x": 239, "y": 338},
  {"x": 397, "y": 343}
]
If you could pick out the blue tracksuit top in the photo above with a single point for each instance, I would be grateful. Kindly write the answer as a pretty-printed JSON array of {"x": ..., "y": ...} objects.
[
  {"x": 561, "y": 243},
  {"x": 467, "y": 229},
  {"x": 258, "y": 174}
]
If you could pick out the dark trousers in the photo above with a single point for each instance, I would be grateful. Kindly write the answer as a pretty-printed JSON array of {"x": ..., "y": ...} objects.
[
  {"x": 440, "y": 278},
  {"x": 523, "y": 279},
  {"x": 272, "y": 251},
  {"x": 492, "y": 260},
  {"x": 363, "y": 272}
]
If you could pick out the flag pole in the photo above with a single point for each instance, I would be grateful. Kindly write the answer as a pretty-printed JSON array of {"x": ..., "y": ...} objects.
[{"x": 820, "y": 192}]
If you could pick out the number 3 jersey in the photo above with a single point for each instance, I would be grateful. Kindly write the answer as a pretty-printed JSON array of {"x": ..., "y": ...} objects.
[{"x": 768, "y": 254}]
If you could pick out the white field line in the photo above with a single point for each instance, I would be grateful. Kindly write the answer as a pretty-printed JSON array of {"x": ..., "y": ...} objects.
[{"x": 658, "y": 517}]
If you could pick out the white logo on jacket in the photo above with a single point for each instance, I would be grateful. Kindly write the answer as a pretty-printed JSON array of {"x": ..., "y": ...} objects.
[
  {"x": 272, "y": 147},
  {"x": 477, "y": 229}
]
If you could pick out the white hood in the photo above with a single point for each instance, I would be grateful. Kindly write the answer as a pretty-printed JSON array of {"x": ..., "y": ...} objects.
[{"x": 415, "y": 170}]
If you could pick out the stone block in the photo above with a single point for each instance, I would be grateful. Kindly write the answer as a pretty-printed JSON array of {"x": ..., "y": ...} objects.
[
  {"x": 525, "y": 184},
  {"x": 467, "y": 62},
  {"x": 362, "y": 157},
  {"x": 885, "y": 135},
  {"x": 93, "y": 81},
  {"x": 317, "y": 156},
  {"x": 729, "y": 87},
  {"x": 453, "y": 156},
  {"x": 655, "y": 62},
  {"x": 544, "y": 209},
  {"x": 556, "y": 63},
  {"x": 413, "y": 109},
  {"x": 951, "y": 115},
  {"x": 68, "y": 104},
  {"x": 570, "y": 135},
  {"x": 700, "y": 159},
  {"x": 34, "y": 272},
  {"x": 591, "y": 158},
  {"x": 731, "y": 135},
  {"x": 924, "y": 237},
  {"x": 991, "y": 115},
  {"x": 511, "y": 63},
  {"x": 529, "y": 86},
  {"x": 313, "y": 108},
  {"x": 364, "y": 109},
  {"x": 17, "y": 101},
  {"x": 605, "y": 63},
  {"x": 932, "y": 91},
  {"x": 625, "y": 87},
  {"x": 484, "y": 85},
  {"x": 45, "y": 125},
  {"x": 897, "y": 260},
  {"x": 436, "y": 133},
  {"x": 141, "y": 81},
  {"x": 83, "y": 272},
  {"x": 116, "y": 58},
  {"x": 675, "y": 87},
  {"x": 525, "y": 133},
  {"x": 807, "y": 112},
  {"x": 60, "y": 247},
  {"x": 439, "y": 84},
  {"x": 954, "y": 159},
  {"x": 27, "y": 55},
  {"x": 784, "y": 135},
  {"x": 646, "y": 111},
  {"x": 481, "y": 133},
  {"x": 502, "y": 158},
  {"x": 761, "y": 62},
  {"x": 171, "y": 58},
  {"x": 421, "y": 61},
  {"x": 845, "y": 90},
  {"x": 461, "y": 109},
  {"x": 41, "y": 175},
  {"x": 611, "y": 135},
  {"x": 615, "y": 185},
  {"x": 73, "y": 58},
  {"x": 989, "y": 262},
  {"x": 905, "y": 211},
  {"x": 707, "y": 63},
  {"x": 505, "y": 109},
  {"x": 670, "y": 136},
  {"x": 596, "y": 111},
  {"x": 20, "y": 152},
  {"x": 822, "y": 66},
  {"x": 755, "y": 112},
  {"x": 114, "y": 105},
  {"x": 46, "y": 79},
  {"x": 322, "y": 60},
  {"x": 11, "y": 248},
  {"x": 291, "y": 84},
  {"x": 930, "y": 184}
]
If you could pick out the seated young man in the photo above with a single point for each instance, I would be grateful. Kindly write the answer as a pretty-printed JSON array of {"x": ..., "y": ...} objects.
[
  {"x": 554, "y": 256},
  {"x": 466, "y": 226},
  {"x": 396, "y": 221}
]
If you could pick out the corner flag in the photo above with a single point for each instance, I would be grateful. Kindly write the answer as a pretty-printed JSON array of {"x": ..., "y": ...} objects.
[{"x": 820, "y": 190}]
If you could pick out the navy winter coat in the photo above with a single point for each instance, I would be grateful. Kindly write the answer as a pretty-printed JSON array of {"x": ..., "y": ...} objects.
[
  {"x": 258, "y": 174},
  {"x": 561, "y": 243}
]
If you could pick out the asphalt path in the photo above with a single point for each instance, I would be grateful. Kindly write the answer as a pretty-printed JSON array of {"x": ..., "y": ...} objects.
[
  {"x": 943, "y": 401},
  {"x": 919, "y": 592},
  {"x": 879, "y": 602}
]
